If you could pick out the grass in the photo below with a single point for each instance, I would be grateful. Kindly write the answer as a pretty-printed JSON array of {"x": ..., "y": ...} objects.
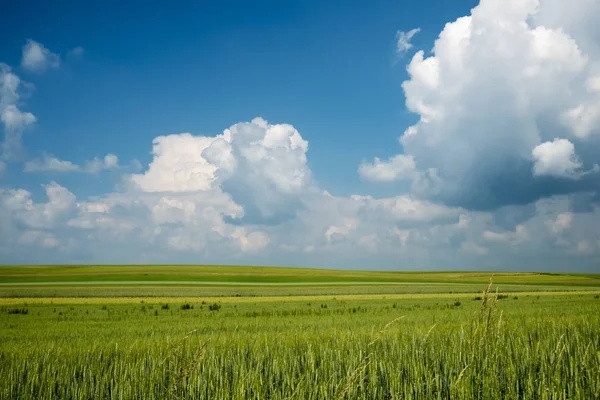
[
  {"x": 275, "y": 275},
  {"x": 529, "y": 345},
  {"x": 182, "y": 290}
]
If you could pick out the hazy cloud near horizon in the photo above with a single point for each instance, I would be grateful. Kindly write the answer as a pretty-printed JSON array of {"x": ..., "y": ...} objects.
[{"x": 502, "y": 168}]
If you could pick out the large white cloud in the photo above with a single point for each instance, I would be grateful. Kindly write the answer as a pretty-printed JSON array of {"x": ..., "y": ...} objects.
[
  {"x": 356, "y": 231},
  {"x": 500, "y": 82},
  {"x": 262, "y": 166}
]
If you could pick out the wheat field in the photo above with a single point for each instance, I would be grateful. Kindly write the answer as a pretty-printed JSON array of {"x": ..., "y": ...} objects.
[{"x": 445, "y": 346}]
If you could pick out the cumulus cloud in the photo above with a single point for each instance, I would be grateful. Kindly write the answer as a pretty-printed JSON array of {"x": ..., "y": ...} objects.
[
  {"x": 49, "y": 163},
  {"x": 178, "y": 165},
  {"x": 403, "y": 231},
  {"x": 403, "y": 40},
  {"x": 14, "y": 120},
  {"x": 37, "y": 58},
  {"x": 110, "y": 161},
  {"x": 262, "y": 166},
  {"x": 407, "y": 209},
  {"x": 340, "y": 231},
  {"x": 556, "y": 158},
  {"x": 500, "y": 82},
  {"x": 41, "y": 215},
  {"x": 250, "y": 242},
  {"x": 399, "y": 167}
]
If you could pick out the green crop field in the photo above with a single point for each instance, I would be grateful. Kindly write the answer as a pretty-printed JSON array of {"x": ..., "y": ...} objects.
[
  {"x": 273, "y": 275},
  {"x": 343, "y": 336}
]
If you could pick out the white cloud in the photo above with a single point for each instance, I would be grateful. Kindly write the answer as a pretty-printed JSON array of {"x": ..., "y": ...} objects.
[
  {"x": 37, "y": 58},
  {"x": 110, "y": 161},
  {"x": 251, "y": 242},
  {"x": 556, "y": 158},
  {"x": 339, "y": 231},
  {"x": 38, "y": 216},
  {"x": 256, "y": 166},
  {"x": 500, "y": 82},
  {"x": 178, "y": 165},
  {"x": 399, "y": 167},
  {"x": 13, "y": 119},
  {"x": 262, "y": 166},
  {"x": 49, "y": 163},
  {"x": 91, "y": 207},
  {"x": 403, "y": 40},
  {"x": 408, "y": 209}
]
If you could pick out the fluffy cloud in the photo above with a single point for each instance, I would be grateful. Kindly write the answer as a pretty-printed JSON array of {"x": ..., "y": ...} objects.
[
  {"x": 340, "y": 231},
  {"x": 499, "y": 161},
  {"x": 262, "y": 166},
  {"x": 403, "y": 231},
  {"x": 500, "y": 85},
  {"x": 37, "y": 58},
  {"x": 556, "y": 158},
  {"x": 49, "y": 163},
  {"x": 403, "y": 39},
  {"x": 250, "y": 242},
  {"x": 178, "y": 165},
  {"x": 52, "y": 164},
  {"x": 399, "y": 167},
  {"x": 18, "y": 202},
  {"x": 13, "y": 119}
]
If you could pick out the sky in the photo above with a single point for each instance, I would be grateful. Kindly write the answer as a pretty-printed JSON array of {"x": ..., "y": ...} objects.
[{"x": 389, "y": 135}]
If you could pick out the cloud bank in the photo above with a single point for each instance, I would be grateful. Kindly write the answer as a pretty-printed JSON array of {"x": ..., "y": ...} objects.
[
  {"x": 502, "y": 165},
  {"x": 508, "y": 96}
]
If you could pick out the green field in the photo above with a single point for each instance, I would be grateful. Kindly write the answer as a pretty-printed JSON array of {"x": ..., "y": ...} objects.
[
  {"x": 274, "y": 275},
  {"x": 410, "y": 336}
]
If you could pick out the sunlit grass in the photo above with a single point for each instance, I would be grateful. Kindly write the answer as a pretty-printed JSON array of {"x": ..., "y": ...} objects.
[{"x": 523, "y": 345}]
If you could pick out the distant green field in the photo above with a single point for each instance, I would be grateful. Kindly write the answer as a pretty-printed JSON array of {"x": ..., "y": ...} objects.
[{"x": 274, "y": 275}]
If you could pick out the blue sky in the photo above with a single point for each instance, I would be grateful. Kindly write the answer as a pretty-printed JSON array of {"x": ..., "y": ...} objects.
[{"x": 475, "y": 135}]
